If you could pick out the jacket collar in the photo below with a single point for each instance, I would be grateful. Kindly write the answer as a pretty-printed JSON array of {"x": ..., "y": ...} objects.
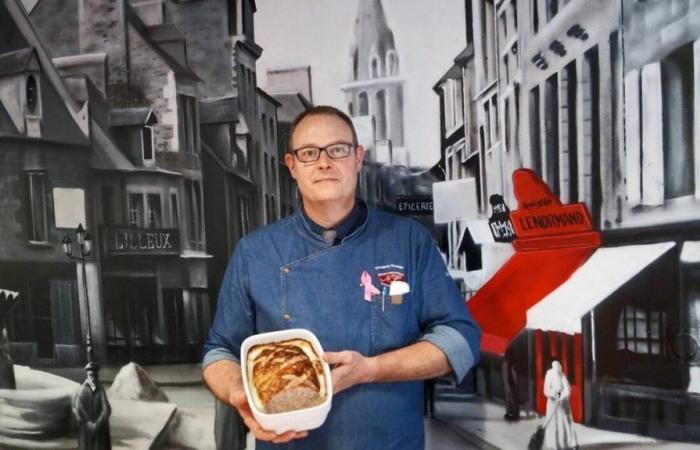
[{"x": 349, "y": 228}]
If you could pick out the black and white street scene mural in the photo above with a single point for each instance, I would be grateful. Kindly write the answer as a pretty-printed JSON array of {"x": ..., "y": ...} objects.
[{"x": 551, "y": 148}]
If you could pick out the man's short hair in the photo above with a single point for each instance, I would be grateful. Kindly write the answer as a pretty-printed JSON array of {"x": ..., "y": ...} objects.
[{"x": 321, "y": 110}]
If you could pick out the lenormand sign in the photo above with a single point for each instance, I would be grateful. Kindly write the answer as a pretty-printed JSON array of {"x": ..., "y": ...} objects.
[
  {"x": 414, "y": 205},
  {"x": 138, "y": 241}
]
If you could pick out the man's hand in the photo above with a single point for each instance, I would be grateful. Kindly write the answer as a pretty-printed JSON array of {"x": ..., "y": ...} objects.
[
  {"x": 223, "y": 378},
  {"x": 349, "y": 368}
]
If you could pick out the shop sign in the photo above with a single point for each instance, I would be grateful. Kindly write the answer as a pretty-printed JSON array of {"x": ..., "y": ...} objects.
[
  {"x": 418, "y": 205},
  {"x": 499, "y": 222},
  {"x": 541, "y": 213},
  {"x": 138, "y": 241}
]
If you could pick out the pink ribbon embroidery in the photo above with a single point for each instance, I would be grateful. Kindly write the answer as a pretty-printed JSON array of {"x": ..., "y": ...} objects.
[{"x": 370, "y": 290}]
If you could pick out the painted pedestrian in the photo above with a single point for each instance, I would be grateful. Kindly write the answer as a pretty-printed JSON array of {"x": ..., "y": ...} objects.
[
  {"x": 510, "y": 387},
  {"x": 559, "y": 433},
  {"x": 92, "y": 411}
]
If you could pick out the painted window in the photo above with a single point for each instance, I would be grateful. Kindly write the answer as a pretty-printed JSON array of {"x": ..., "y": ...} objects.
[
  {"x": 264, "y": 127},
  {"x": 145, "y": 209},
  {"x": 490, "y": 40},
  {"x": 354, "y": 65},
  {"x": 641, "y": 331},
  {"x": 189, "y": 129},
  {"x": 364, "y": 107},
  {"x": 197, "y": 315},
  {"x": 107, "y": 205},
  {"x": 147, "y": 144},
  {"x": 454, "y": 103},
  {"x": 32, "y": 95},
  {"x": 194, "y": 215},
  {"x": 136, "y": 210},
  {"x": 551, "y": 132},
  {"x": 174, "y": 211},
  {"x": 46, "y": 315},
  {"x": 552, "y": 8},
  {"x": 392, "y": 63},
  {"x": 38, "y": 215},
  {"x": 381, "y": 115},
  {"x": 677, "y": 99},
  {"x": 569, "y": 138},
  {"x": 243, "y": 214},
  {"x": 174, "y": 312},
  {"x": 534, "y": 7},
  {"x": 153, "y": 211},
  {"x": 535, "y": 130}
]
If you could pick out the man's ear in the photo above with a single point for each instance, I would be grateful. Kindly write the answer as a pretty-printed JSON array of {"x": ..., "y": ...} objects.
[
  {"x": 360, "y": 155},
  {"x": 290, "y": 161}
]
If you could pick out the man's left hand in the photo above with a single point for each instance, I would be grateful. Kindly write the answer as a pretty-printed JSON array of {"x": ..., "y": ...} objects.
[{"x": 349, "y": 368}]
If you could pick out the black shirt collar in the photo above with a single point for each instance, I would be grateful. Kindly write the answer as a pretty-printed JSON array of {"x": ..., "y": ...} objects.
[{"x": 345, "y": 227}]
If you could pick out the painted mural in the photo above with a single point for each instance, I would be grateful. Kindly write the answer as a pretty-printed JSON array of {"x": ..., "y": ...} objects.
[{"x": 552, "y": 147}]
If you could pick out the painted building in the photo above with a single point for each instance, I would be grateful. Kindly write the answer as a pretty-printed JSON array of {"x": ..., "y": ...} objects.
[
  {"x": 598, "y": 98},
  {"x": 291, "y": 87},
  {"x": 221, "y": 49},
  {"x": 44, "y": 171},
  {"x": 374, "y": 87},
  {"x": 269, "y": 182},
  {"x": 483, "y": 13},
  {"x": 655, "y": 199},
  {"x": 155, "y": 297},
  {"x": 470, "y": 258},
  {"x": 155, "y": 129}
]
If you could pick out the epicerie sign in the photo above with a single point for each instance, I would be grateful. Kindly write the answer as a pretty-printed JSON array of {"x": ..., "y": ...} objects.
[
  {"x": 133, "y": 241},
  {"x": 420, "y": 205}
]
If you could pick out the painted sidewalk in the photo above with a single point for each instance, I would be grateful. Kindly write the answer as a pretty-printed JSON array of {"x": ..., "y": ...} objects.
[
  {"x": 163, "y": 374},
  {"x": 481, "y": 422}
]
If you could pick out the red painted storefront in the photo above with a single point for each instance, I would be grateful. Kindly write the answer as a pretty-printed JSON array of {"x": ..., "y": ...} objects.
[{"x": 553, "y": 241}]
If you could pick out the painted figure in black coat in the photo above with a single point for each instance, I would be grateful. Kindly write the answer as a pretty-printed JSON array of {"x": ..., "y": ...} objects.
[
  {"x": 7, "y": 369},
  {"x": 92, "y": 410},
  {"x": 510, "y": 387}
]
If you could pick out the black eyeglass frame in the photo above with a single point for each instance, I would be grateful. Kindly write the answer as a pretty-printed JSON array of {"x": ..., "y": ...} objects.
[{"x": 350, "y": 146}]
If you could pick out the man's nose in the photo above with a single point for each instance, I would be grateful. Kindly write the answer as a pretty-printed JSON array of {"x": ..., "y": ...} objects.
[{"x": 323, "y": 160}]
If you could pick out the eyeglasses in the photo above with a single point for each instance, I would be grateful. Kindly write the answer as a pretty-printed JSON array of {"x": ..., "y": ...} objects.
[{"x": 334, "y": 151}]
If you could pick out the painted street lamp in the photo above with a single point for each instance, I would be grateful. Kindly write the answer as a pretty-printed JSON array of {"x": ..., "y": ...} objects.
[{"x": 85, "y": 244}]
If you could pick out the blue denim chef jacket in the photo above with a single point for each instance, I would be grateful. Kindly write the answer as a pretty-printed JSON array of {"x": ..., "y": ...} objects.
[{"x": 286, "y": 276}]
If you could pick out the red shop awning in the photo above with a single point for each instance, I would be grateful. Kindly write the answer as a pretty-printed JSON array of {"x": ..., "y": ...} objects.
[
  {"x": 500, "y": 306},
  {"x": 553, "y": 240}
]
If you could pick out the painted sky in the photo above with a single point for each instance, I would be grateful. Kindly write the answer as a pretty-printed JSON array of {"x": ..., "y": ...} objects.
[{"x": 319, "y": 33}]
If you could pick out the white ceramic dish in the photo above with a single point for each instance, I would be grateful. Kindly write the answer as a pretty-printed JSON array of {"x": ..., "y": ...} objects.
[{"x": 299, "y": 420}]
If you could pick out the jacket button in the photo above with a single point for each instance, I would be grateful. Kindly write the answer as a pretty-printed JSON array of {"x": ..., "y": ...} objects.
[
  {"x": 285, "y": 270},
  {"x": 286, "y": 317}
]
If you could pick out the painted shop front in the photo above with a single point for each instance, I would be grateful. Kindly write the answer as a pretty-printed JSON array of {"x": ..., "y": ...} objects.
[
  {"x": 156, "y": 305},
  {"x": 608, "y": 313}
]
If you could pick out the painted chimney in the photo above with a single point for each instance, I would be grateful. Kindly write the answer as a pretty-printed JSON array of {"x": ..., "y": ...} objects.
[{"x": 103, "y": 29}]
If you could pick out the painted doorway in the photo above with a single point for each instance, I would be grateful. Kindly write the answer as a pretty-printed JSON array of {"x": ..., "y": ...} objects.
[{"x": 568, "y": 350}]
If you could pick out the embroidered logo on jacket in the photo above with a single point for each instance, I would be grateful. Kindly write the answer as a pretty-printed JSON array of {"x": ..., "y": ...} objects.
[{"x": 390, "y": 273}]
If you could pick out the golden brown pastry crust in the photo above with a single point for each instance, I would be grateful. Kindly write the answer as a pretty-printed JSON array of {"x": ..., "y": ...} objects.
[{"x": 280, "y": 366}]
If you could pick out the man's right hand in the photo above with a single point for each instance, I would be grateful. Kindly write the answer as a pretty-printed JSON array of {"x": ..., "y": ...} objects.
[
  {"x": 238, "y": 400},
  {"x": 223, "y": 378}
]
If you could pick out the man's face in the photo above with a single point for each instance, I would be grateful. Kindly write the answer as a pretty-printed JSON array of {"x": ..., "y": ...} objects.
[
  {"x": 324, "y": 180},
  {"x": 92, "y": 376}
]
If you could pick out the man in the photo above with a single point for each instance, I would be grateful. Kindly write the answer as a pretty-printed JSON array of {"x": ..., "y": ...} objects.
[
  {"x": 91, "y": 409},
  {"x": 328, "y": 269}
]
